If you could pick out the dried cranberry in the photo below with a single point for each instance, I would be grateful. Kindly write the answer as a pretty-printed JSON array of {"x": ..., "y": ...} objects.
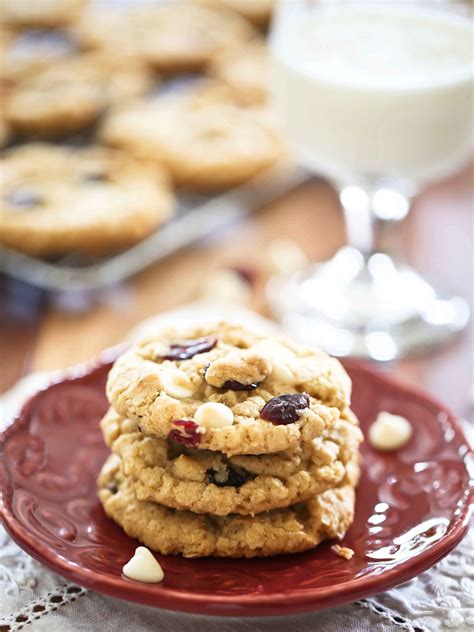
[
  {"x": 285, "y": 409},
  {"x": 186, "y": 433},
  {"x": 227, "y": 478},
  {"x": 233, "y": 385},
  {"x": 189, "y": 348}
]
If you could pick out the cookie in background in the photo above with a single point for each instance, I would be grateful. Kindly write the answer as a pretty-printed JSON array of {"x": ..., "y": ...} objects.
[
  {"x": 94, "y": 200},
  {"x": 40, "y": 13},
  {"x": 69, "y": 95},
  {"x": 244, "y": 69},
  {"x": 206, "y": 140},
  {"x": 182, "y": 37},
  {"x": 259, "y": 12}
]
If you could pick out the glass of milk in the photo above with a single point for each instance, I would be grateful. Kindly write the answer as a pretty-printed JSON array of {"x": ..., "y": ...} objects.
[{"x": 378, "y": 96}]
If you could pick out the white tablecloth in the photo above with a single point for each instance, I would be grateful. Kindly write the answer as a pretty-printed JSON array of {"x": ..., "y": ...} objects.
[{"x": 32, "y": 597}]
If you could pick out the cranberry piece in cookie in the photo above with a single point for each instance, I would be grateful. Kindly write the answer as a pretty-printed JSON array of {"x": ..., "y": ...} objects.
[
  {"x": 185, "y": 432},
  {"x": 285, "y": 409},
  {"x": 226, "y": 477},
  {"x": 189, "y": 348}
]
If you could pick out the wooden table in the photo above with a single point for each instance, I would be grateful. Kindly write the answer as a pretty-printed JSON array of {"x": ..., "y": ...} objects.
[{"x": 38, "y": 334}]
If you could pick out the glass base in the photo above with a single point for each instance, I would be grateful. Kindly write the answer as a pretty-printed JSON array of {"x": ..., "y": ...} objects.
[{"x": 371, "y": 309}]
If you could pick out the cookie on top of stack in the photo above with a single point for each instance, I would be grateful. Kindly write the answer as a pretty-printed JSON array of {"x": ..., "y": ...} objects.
[{"x": 229, "y": 443}]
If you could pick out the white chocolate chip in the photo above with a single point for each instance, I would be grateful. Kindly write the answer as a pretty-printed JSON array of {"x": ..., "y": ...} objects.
[
  {"x": 176, "y": 383},
  {"x": 389, "y": 432},
  {"x": 226, "y": 286},
  {"x": 282, "y": 372},
  {"x": 214, "y": 415},
  {"x": 143, "y": 567}
]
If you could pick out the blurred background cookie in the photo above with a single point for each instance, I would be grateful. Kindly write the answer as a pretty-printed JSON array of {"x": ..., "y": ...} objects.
[
  {"x": 206, "y": 142},
  {"x": 172, "y": 38},
  {"x": 4, "y": 132},
  {"x": 69, "y": 95},
  {"x": 244, "y": 70},
  {"x": 92, "y": 200},
  {"x": 43, "y": 13},
  {"x": 259, "y": 12},
  {"x": 27, "y": 52}
]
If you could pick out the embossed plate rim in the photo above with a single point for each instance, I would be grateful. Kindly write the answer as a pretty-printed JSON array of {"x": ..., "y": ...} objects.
[{"x": 239, "y": 605}]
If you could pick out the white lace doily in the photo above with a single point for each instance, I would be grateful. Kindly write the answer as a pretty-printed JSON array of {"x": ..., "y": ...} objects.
[{"x": 30, "y": 595}]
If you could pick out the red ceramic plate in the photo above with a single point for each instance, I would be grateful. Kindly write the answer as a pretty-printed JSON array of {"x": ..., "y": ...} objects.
[{"x": 412, "y": 509}]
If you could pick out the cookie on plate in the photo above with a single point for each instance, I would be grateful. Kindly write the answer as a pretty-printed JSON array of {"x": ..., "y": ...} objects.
[
  {"x": 57, "y": 199},
  {"x": 222, "y": 387},
  {"x": 69, "y": 95},
  {"x": 40, "y": 13},
  {"x": 290, "y": 530},
  {"x": 244, "y": 70},
  {"x": 203, "y": 481},
  {"x": 171, "y": 38},
  {"x": 206, "y": 143}
]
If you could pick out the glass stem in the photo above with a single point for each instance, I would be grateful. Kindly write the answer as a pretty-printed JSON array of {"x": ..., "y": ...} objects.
[{"x": 373, "y": 216}]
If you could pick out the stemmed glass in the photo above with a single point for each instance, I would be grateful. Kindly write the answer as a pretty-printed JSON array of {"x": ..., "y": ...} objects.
[{"x": 377, "y": 96}]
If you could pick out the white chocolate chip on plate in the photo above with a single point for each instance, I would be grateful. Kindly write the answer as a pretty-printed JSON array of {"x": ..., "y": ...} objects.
[
  {"x": 214, "y": 415},
  {"x": 389, "y": 432},
  {"x": 143, "y": 567},
  {"x": 176, "y": 383}
]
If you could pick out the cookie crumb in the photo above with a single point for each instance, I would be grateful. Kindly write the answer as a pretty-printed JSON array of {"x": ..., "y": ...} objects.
[{"x": 343, "y": 551}]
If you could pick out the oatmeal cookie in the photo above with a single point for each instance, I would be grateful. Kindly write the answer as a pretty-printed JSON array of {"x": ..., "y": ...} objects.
[
  {"x": 244, "y": 70},
  {"x": 57, "y": 199},
  {"x": 4, "y": 132},
  {"x": 40, "y": 13},
  {"x": 170, "y": 532},
  {"x": 258, "y": 12},
  {"x": 221, "y": 387},
  {"x": 170, "y": 38},
  {"x": 202, "y": 481},
  {"x": 28, "y": 52},
  {"x": 69, "y": 95},
  {"x": 207, "y": 143}
]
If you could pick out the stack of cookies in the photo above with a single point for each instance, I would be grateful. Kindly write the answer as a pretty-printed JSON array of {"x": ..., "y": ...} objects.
[{"x": 229, "y": 443}]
